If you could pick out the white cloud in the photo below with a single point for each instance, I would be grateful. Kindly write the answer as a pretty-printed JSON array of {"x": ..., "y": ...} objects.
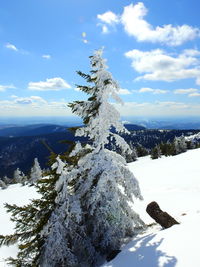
[
  {"x": 108, "y": 17},
  {"x": 185, "y": 91},
  {"x": 105, "y": 29},
  {"x": 33, "y": 106},
  {"x": 11, "y": 47},
  {"x": 53, "y": 84},
  {"x": 5, "y": 87},
  {"x": 124, "y": 92},
  {"x": 194, "y": 94},
  {"x": 38, "y": 99},
  {"x": 46, "y": 56},
  {"x": 159, "y": 65},
  {"x": 135, "y": 25},
  {"x": 28, "y": 100},
  {"x": 153, "y": 91},
  {"x": 14, "y": 48},
  {"x": 126, "y": 122},
  {"x": 158, "y": 108}
]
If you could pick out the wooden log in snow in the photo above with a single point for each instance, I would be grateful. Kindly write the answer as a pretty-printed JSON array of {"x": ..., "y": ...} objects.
[{"x": 161, "y": 217}]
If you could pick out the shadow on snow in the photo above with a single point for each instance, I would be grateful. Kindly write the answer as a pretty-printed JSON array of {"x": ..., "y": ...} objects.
[{"x": 141, "y": 252}]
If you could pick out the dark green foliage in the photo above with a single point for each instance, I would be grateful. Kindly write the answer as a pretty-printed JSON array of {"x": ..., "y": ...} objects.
[
  {"x": 87, "y": 77},
  {"x": 141, "y": 151},
  {"x": 155, "y": 152},
  {"x": 30, "y": 220},
  {"x": 93, "y": 91},
  {"x": 167, "y": 149}
]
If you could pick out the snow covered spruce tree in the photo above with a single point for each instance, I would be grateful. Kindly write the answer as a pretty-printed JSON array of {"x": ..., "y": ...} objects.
[
  {"x": 18, "y": 177},
  {"x": 48, "y": 230},
  {"x": 36, "y": 172},
  {"x": 86, "y": 206},
  {"x": 30, "y": 222},
  {"x": 106, "y": 187}
]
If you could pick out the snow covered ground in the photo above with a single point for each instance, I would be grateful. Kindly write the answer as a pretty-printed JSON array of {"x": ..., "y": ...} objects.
[
  {"x": 14, "y": 194},
  {"x": 174, "y": 182}
]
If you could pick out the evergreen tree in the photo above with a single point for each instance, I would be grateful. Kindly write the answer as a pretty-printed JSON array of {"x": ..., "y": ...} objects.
[
  {"x": 32, "y": 222},
  {"x": 85, "y": 210},
  {"x": 36, "y": 172},
  {"x": 130, "y": 157},
  {"x": 3, "y": 184},
  {"x": 141, "y": 151},
  {"x": 106, "y": 187},
  {"x": 167, "y": 149},
  {"x": 190, "y": 144},
  {"x": 183, "y": 144},
  {"x": 6, "y": 180},
  {"x": 156, "y": 152},
  {"x": 17, "y": 176},
  {"x": 180, "y": 144}
]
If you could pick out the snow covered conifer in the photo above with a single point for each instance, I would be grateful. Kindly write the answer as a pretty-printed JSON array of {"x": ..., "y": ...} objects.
[
  {"x": 180, "y": 144},
  {"x": 106, "y": 187},
  {"x": 32, "y": 220},
  {"x": 18, "y": 176},
  {"x": 3, "y": 184},
  {"x": 156, "y": 152},
  {"x": 86, "y": 205},
  {"x": 6, "y": 180},
  {"x": 36, "y": 172},
  {"x": 183, "y": 144},
  {"x": 47, "y": 230}
]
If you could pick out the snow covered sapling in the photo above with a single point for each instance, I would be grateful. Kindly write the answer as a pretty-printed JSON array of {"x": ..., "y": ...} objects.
[
  {"x": 86, "y": 205},
  {"x": 106, "y": 186},
  {"x": 36, "y": 172},
  {"x": 180, "y": 144},
  {"x": 7, "y": 180},
  {"x": 18, "y": 176},
  {"x": 3, "y": 184},
  {"x": 31, "y": 223}
]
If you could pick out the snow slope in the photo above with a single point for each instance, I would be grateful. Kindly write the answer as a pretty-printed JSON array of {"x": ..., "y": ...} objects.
[
  {"x": 174, "y": 182},
  {"x": 14, "y": 194}
]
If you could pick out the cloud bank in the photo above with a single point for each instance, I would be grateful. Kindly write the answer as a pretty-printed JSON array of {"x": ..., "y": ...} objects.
[
  {"x": 52, "y": 84},
  {"x": 134, "y": 24},
  {"x": 158, "y": 65}
]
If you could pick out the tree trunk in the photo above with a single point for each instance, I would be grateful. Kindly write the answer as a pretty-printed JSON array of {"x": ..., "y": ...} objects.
[{"x": 161, "y": 217}]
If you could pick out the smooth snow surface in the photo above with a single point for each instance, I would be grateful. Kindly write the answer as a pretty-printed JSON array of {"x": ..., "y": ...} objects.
[
  {"x": 174, "y": 182},
  {"x": 14, "y": 194}
]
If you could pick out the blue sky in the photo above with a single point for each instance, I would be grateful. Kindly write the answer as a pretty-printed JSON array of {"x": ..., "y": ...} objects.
[{"x": 152, "y": 48}]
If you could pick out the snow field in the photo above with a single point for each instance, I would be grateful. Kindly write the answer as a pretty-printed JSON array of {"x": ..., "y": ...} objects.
[
  {"x": 14, "y": 194},
  {"x": 174, "y": 182}
]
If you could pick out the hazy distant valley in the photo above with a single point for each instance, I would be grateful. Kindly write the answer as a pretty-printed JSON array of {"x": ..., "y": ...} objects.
[{"x": 19, "y": 145}]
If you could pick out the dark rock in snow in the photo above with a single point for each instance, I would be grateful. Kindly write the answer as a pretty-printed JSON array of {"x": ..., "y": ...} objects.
[{"x": 161, "y": 217}]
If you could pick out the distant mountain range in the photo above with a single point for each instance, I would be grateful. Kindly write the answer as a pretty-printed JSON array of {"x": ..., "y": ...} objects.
[
  {"x": 19, "y": 145},
  {"x": 39, "y": 129},
  {"x": 179, "y": 123},
  {"x": 30, "y": 130}
]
